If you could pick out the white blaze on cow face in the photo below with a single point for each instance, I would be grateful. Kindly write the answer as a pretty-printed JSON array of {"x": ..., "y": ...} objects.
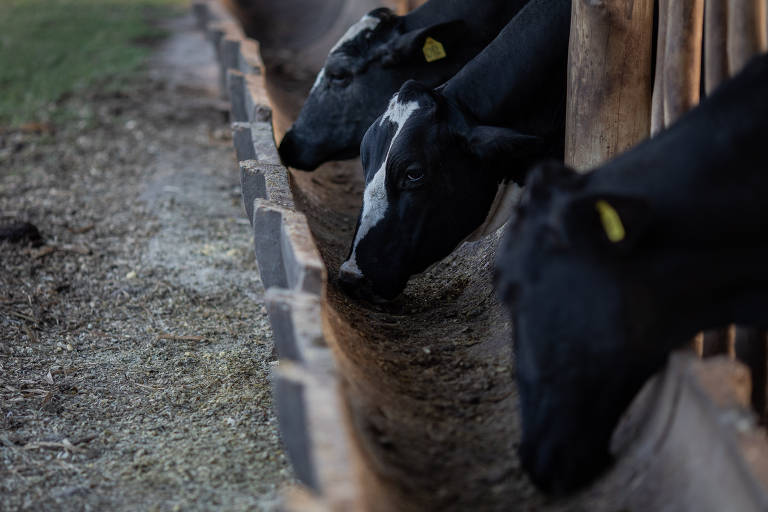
[
  {"x": 367, "y": 22},
  {"x": 318, "y": 80},
  {"x": 375, "y": 195}
]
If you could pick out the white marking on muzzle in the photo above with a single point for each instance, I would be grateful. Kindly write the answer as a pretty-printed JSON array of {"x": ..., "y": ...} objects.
[
  {"x": 375, "y": 196},
  {"x": 366, "y": 23}
]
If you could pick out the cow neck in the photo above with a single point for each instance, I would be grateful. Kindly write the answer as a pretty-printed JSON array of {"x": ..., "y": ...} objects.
[
  {"x": 517, "y": 65},
  {"x": 703, "y": 180},
  {"x": 715, "y": 151},
  {"x": 488, "y": 16}
]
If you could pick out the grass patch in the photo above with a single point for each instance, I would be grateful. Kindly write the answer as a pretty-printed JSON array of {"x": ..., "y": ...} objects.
[{"x": 49, "y": 48}]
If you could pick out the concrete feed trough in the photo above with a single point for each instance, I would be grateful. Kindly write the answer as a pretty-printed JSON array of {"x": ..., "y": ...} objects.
[{"x": 412, "y": 405}]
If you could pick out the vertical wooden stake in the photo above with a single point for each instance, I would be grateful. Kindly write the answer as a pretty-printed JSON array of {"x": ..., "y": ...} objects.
[
  {"x": 751, "y": 348},
  {"x": 714, "y": 342},
  {"x": 746, "y": 32},
  {"x": 609, "y": 79},
  {"x": 682, "y": 57},
  {"x": 657, "y": 102},
  {"x": 403, "y": 6},
  {"x": 715, "y": 40}
]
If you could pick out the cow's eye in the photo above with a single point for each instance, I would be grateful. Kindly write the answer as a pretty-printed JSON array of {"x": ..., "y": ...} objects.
[
  {"x": 414, "y": 175},
  {"x": 339, "y": 76}
]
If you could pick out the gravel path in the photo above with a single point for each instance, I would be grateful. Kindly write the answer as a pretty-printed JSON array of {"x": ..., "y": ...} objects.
[{"x": 135, "y": 350}]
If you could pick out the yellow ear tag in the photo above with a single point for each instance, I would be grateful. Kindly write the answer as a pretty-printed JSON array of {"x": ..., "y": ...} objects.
[
  {"x": 612, "y": 225},
  {"x": 433, "y": 50}
]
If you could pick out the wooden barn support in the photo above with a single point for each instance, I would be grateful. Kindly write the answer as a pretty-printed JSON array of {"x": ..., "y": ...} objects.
[
  {"x": 405, "y": 6},
  {"x": 681, "y": 65},
  {"x": 678, "y": 60},
  {"x": 746, "y": 20},
  {"x": 715, "y": 43},
  {"x": 609, "y": 79}
]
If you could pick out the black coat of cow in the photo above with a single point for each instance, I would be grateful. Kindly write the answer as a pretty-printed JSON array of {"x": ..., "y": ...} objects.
[
  {"x": 373, "y": 60},
  {"x": 437, "y": 162},
  {"x": 605, "y": 273}
]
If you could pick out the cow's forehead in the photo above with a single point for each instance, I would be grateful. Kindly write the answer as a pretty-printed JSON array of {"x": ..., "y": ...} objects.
[
  {"x": 378, "y": 140},
  {"x": 388, "y": 129},
  {"x": 367, "y": 22},
  {"x": 398, "y": 112}
]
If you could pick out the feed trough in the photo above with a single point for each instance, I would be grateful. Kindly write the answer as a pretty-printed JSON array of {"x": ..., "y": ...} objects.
[{"x": 412, "y": 405}]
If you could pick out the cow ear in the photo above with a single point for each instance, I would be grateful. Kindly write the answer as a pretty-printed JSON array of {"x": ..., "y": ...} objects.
[
  {"x": 428, "y": 44},
  {"x": 384, "y": 14},
  {"x": 615, "y": 222},
  {"x": 493, "y": 143}
]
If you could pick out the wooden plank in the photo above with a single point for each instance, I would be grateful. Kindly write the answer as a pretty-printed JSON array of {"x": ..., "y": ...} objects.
[
  {"x": 715, "y": 42},
  {"x": 609, "y": 79},
  {"x": 682, "y": 57},
  {"x": 751, "y": 347},
  {"x": 657, "y": 101},
  {"x": 746, "y": 32}
]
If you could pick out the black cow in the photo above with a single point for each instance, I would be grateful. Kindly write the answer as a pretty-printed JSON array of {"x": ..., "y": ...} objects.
[
  {"x": 373, "y": 59},
  {"x": 606, "y": 273},
  {"x": 439, "y": 165}
]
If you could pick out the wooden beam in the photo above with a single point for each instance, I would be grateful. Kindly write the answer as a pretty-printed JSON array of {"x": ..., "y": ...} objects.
[
  {"x": 682, "y": 57},
  {"x": 657, "y": 101},
  {"x": 609, "y": 79},
  {"x": 746, "y": 32},
  {"x": 715, "y": 43}
]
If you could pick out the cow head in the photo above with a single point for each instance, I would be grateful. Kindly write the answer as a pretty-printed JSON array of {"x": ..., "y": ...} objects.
[
  {"x": 432, "y": 179},
  {"x": 561, "y": 269},
  {"x": 363, "y": 69},
  {"x": 602, "y": 286}
]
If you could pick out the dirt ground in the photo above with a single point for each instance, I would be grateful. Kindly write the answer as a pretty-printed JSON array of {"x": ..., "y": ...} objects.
[{"x": 135, "y": 350}]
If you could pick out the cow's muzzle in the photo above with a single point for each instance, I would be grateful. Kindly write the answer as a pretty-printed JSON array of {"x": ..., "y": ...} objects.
[
  {"x": 356, "y": 285},
  {"x": 293, "y": 152}
]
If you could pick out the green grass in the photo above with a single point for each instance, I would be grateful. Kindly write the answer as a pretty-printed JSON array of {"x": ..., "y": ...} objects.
[{"x": 49, "y": 48}]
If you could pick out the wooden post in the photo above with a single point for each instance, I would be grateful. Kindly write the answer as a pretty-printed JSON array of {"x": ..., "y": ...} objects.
[
  {"x": 609, "y": 79},
  {"x": 403, "y": 6},
  {"x": 657, "y": 102},
  {"x": 751, "y": 347},
  {"x": 715, "y": 41},
  {"x": 682, "y": 57},
  {"x": 746, "y": 32},
  {"x": 714, "y": 342}
]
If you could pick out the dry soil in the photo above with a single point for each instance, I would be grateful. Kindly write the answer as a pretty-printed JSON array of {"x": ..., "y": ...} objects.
[{"x": 135, "y": 350}]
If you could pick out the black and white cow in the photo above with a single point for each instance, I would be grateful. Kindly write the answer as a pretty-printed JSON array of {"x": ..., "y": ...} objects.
[
  {"x": 605, "y": 273},
  {"x": 440, "y": 164},
  {"x": 373, "y": 59}
]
